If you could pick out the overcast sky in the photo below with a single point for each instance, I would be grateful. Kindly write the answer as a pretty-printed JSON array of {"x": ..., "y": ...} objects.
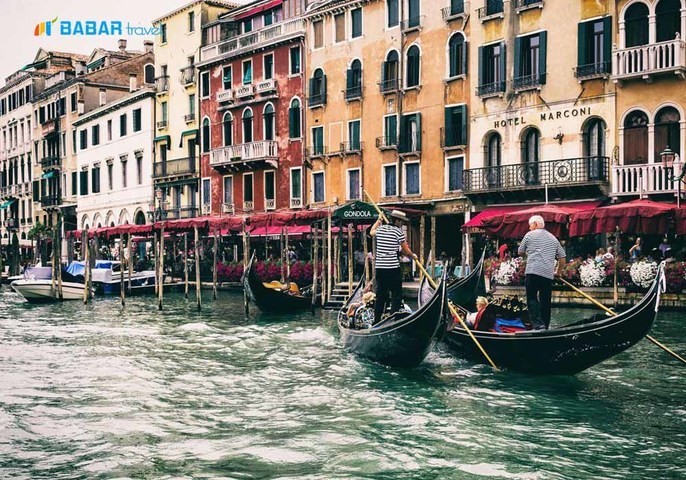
[{"x": 18, "y": 46}]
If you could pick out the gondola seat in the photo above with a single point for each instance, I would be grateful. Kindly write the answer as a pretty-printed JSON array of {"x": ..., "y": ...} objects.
[{"x": 290, "y": 287}]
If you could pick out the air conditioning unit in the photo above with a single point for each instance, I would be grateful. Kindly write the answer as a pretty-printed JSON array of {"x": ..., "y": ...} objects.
[
  {"x": 227, "y": 207},
  {"x": 206, "y": 209}
]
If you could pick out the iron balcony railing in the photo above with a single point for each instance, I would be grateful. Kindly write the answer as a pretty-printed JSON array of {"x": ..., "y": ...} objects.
[
  {"x": 456, "y": 9},
  {"x": 179, "y": 166},
  {"x": 50, "y": 200},
  {"x": 491, "y": 7},
  {"x": 488, "y": 89},
  {"x": 316, "y": 151},
  {"x": 180, "y": 212},
  {"x": 190, "y": 117},
  {"x": 316, "y": 99},
  {"x": 50, "y": 161},
  {"x": 528, "y": 82},
  {"x": 524, "y": 4},
  {"x": 162, "y": 124},
  {"x": 662, "y": 57},
  {"x": 353, "y": 93},
  {"x": 452, "y": 138},
  {"x": 389, "y": 85},
  {"x": 568, "y": 171},
  {"x": 593, "y": 70},
  {"x": 352, "y": 147},
  {"x": 387, "y": 142}
]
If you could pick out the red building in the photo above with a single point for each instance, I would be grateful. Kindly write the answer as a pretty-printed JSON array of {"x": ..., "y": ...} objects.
[{"x": 251, "y": 87}]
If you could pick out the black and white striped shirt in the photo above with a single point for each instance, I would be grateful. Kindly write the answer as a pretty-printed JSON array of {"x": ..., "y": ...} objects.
[
  {"x": 542, "y": 248},
  {"x": 388, "y": 241}
]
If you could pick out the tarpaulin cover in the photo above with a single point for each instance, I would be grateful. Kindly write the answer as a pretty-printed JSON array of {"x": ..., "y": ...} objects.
[{"x": 637, "y": 216}]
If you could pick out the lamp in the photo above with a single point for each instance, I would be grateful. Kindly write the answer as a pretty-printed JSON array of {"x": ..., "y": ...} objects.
[
  {"x": 670, "y": 161},
  {"x": 559, "y": 136},
  {"x": 668, "y": 157}
]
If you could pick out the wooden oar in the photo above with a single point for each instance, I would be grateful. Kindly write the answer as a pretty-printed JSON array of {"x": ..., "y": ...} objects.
[
  {"x": 453, "y": 311},
  {"x": 613, "y": 313}
]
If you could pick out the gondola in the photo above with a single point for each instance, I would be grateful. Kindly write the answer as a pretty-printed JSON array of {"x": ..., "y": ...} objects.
[
  {"x": 275, "y": 299},
  {"x": 564, "y": 350},
  {"x": 398, "y": 341},
  {"x": 463, "y": 291}
]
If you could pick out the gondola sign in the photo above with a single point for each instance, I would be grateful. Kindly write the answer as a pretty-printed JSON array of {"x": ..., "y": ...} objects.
[{"x": 356, "y": 212}]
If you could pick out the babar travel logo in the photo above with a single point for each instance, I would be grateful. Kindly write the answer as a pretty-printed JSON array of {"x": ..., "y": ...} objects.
[{"x": 91, "y": 28}]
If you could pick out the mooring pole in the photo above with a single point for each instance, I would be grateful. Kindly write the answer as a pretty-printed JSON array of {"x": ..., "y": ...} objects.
[
  {"x": 156, "y": 253},
  {"x": 315, "y": 265},
  {"x": 185, "y": 263},
  {"x": 130, "y": 260},
  {"x": 160, "y": 289},
  {"x": 350, "y": 258},
  {"x": 214, "y": 269},
  {"x": 197, "y": 268},
  {"x": 86, "y": 261},
  {"x": 122, "y": 266},
  {"x": 246, "y": 250}
]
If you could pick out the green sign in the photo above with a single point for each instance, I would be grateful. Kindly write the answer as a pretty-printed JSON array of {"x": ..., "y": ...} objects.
[{"x": 357, "y": 211}]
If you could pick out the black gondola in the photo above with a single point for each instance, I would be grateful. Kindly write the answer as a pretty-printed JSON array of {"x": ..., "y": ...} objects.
[
  {"x": 565, "y": 350},
  {"x": 273, "y": 300},
  {"x": 463, "y": 291},
  {"x": 397, "y": 341}
]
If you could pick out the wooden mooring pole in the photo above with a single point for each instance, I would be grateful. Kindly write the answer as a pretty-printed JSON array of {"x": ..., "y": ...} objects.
[
  {"x": 197, "y": 269},
  {"x": 160, "y": 288}
]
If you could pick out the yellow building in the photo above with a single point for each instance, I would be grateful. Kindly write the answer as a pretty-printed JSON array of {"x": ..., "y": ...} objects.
[
  {"x": 176, "y": 170},
  {"x": 387, "y": 105},
  {"x": 649, "y": 69}
]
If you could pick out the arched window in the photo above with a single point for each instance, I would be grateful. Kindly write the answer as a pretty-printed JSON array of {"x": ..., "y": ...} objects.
[
  {"x": 354, "y": 81},
  {"x": 636, "y": 25},
  {"x": 269, "y": 122},
  {"x": 247, "y": 125},
  {"x": 530, "y": 155},
  {"x": 206, "y": 135},
  {"x": 294, "y": 119},
  {"x": 412, "y": 66},
  {"x": 149, "y": 73},
  {"x": 227, "y": 128},
  {"x": 389, "y": 72},
  {"x": 667, "y": 131},
  {"x": 594, "y": 148},
  {"x": 493, "y": 147},
  {"x": 636, "y": 138},
  {"x": 457, "y": 55},
  {"x": 668, "y": 13},
  {"x": 318, "y": 88}
]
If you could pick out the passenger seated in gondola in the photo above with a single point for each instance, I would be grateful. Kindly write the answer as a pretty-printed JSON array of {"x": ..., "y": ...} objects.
[
  {"x": 361, "y": 314},
  {"x": 473, "y": 318}
]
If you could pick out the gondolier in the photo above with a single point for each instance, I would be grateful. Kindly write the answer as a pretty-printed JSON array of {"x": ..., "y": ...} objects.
[{"x": 390, "y": 239}]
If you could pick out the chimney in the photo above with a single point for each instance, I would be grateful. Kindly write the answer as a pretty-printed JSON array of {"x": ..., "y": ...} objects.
[
  {"x": 122, "y": 44},
  {"x": 148, "y": 44},
  {"x": 103, "y": 97},
  {"x": 133, "y": 82}
]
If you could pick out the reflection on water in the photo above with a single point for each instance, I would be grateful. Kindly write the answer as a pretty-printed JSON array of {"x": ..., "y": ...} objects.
[{"x": 102, "y": 391}]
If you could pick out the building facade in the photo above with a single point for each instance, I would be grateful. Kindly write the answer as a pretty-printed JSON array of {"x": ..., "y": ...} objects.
[
  {"x": 114, "y": 163},
  {"x": 176, "y": 168},
  {"x": 251, "y": 91}
]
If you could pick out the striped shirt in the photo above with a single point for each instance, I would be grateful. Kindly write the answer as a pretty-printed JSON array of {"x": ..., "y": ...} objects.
[
  {"x": 388, "y": 241},
  {"x": 542, "y": 249}
]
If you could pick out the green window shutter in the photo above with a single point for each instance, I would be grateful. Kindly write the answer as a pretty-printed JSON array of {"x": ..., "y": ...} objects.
[
  {"x": 607, "y": 42},
  {"x": 449, "y": 136},
  {"x": 582, "y": 45},
  {"x": 349, "y": 79},
  {"x": 542, "y": 54},
  {"x": 517, "y": 57},
  {"x": 465, "y": 50},
  {"x": 323, "y": 88},
  {"x": 481, "y": 66},
  {"x": 463, "y": 124},
  {"x": 291, "y": 122},
  {"x": 403, "y": 143},
  {"x": 311, "y": 91},
  {"x": 418, "y": 116},
  {"x": 503, "y": 65}
]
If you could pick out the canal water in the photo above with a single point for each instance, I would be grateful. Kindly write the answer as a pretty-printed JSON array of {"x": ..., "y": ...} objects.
[{"x": 99, "y": 391}]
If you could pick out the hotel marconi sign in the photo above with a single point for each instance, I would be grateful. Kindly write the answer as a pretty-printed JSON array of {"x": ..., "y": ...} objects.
[{"x": 544, "y": 117}]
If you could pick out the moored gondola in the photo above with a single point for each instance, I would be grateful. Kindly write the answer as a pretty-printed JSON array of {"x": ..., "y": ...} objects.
[
  {"x": 564, "y": 350},
  {"x": 274, "y": 297},
  {"x": 463, "y": 291},
  {"x": 399, "y": 340}
]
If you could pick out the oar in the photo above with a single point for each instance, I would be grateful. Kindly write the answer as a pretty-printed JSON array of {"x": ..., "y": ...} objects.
[
  {"x": 453, "y": 311},
  {"x": 613, "y": 313}
]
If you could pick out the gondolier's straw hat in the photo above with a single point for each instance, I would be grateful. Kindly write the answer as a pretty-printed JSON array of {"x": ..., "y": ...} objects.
[{"x": 399, "y": 215}]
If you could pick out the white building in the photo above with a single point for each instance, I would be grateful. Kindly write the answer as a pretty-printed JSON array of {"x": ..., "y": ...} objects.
[{"x": 115, "y": 161}]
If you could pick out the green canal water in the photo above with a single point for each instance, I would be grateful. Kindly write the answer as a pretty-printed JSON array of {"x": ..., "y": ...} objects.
[{"x": 103, "y": 392}]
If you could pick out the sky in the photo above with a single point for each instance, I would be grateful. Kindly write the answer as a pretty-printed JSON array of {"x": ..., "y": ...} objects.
[{"x": 18, "y": 45}]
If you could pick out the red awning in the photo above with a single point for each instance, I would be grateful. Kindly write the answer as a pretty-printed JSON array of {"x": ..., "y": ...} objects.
[
  {"x": 182, "y": 225},
  {"x": 225, "y": 225},
  {"x": 680, "y": 220},
  {"x": 279, "y": 219},
  {"x": 259, "y": 9},
  {"x": 474, "y": 224},
  {"x": 637, "y": 216}
]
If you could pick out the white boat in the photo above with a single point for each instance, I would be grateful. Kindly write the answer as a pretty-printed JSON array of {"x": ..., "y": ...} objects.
[
  {"x": 106, "y": 276},
  {"x": 41, "y": 291}
]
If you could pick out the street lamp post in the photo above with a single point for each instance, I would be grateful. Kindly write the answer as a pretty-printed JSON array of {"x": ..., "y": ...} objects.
[
  {"x": 671, "y": 161},
  {"x": 156, "y": 206}
]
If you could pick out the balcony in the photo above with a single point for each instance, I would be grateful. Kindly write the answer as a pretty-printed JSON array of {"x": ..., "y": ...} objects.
[
  {"x": 387, "y": 143},
  {"x": 174, "y": 168},
  {"x": 642, "y": 180},
  {"x": 189, "y": 118},
  {"x": 179, "y": 213},
  {"x": 457, "y": 9},
  {"x": 316, "y": 151},
  {"x": 162, "y": 84},
  {"x": 224, "y": 96},
  {"x": 352, "y": 147},
  {"x": 270, "y": 204},
  {"x": 12, "y": 223},
  {"x": 228, "y": 208},
  {"x": 52, "y": 161},
  {"x": 412, "y": 24},
  {"x": 50, "y": 201},
  {"x": 245, "y": 91},
  {"x": 593, "y": 70},
  {"x": 522, "y": 5},
  {"x": 491, "y": 89},
  {"x": 528, "y": 82},
  {"x": 238, "y": 156},
  {"x": 266, "y": 86},
  {"x": 248, "y": 205},
  {"x": 492, "y": 9},
  {"x": 391, "y": 85},
  {"x": 4, "y": 192},
  {"x": 162, "y": 124},
  {"x": 645, "y": 61},
  {"x": 453, "y": 139},
  {"x": 316, "y": 100},
  {"x": 581, "y": 177},
  {"x": 187, "y": 77},
  {"x": 353, "y": 93},
  {"x": 254, "y": 40}
]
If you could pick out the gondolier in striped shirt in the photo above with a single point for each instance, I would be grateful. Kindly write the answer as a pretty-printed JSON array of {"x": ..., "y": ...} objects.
[
  {"x": 390, "y": 240},
  {"x": 542, "y": 250}
]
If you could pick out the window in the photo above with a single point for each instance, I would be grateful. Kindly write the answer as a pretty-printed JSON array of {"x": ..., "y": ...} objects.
[
  {"x": 530, "y": 155},
  {"x": 339, "y": 26},
  {"x": 206, "y": 192},
  {"x": 247, "y": 25},
  {"x": 269, "y": 126},
  {"x": 72, "y": 101},
  {"x": 83, "y": 190},
  {"x": 247, "y": 187},
  {"x": 457, "y": 56},
  {"x": 390, "y": 129},
  {"x": 227, "y": 129},
  {"x": 318, "y": 192},
  {"x": 84, "y": 139},
  {"x": 247, "y": 72},
  {"x": 191, "y": 22},
  {"x": 491, "y": 69},
  {"x": 354, "y": 80},
  {"x": 165, "y": 112},
  {"x": 636, "y": 25},
  {"x": 95, "y": 179},
  {"x": 454, "y": 169},
  {"x": 595, "y": 47},
  {"x": 268, "y": 18},
  {"x": 636, "y": 138},
  {"x": 205, "y": 84},
  {"x": 296, "y": 187},
  {"x": 124, "y": 171},
  {"x": 668, "y": 24},
  {"x": 353, "y": 185},
  {"x": 150, "y": 73},
  {"x": 493, "y": 152},
  {"x": 137, "y": 120},
  {"x": 139, "y": 170},
  {"x": 95, "y": 135},
  {"x": 667, "y": 131},
  {"x": 410, "y": 133},
  {"x": 354, "y": 135},
  {"x": 228, "y": 190},
  {"x": 412, "y": 178},
  {"x": 390, "y": 180},
  {"x": 268, "y": 66},
  {"x": 110, "y": 176},
  {"x": 247, "y": 125},
  {"x": 73, "y": 141},
  {"x": 206, "y": 135},
  {"x": 492, "y": 7},
  {"x": 412, "y": 74},
  {"x": 295, "y": 61},
  {"x": 317, "y": 88},
  {"x": 413, "y": 18},
  {"x": 227, "y": 78},
  {"x": 530, "y": 61},
  {"x": 389, "y": 72},
  {"x": 109, "y": 130},
  {"x": 191, "y": 106},
  {"x": 356, "y": 20},
  {"x": 455, "y": 126},
  {"x": 74, "y": 185},
  {"x": 594, "y": 148},
  {"x": 318, "y": 29},
  {"x": 270, "y": 190},
  {"x": 294, "y": 119},
  {"x": 122, "y": 125},
  {"x": 318, "y": 141},
  {"x": 163, "y": 33}
]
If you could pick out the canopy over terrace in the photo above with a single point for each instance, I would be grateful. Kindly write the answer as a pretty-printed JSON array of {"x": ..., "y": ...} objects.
[{"x": 638, "y": 216}]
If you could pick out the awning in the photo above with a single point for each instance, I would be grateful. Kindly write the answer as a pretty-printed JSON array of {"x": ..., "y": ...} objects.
[
  {"x": 636, "y": 216},
  {"x": 259, "y": 9},
  {"x": 49, "y": 174},
  {"x": 274, "y": 231},
  {"x": 680, "y": 221},
  {"x": 187, "y": 133},
  {"x": 7, "y": 204},
  {"x": 474, "y": 225},
  {"x": 162, "y": 138}
]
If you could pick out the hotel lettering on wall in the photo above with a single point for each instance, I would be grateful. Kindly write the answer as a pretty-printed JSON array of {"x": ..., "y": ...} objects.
[{"x": 544, "y": 117}]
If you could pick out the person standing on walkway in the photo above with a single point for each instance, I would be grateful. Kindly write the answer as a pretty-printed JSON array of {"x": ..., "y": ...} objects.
[
  {"x": 542, "y": 249},
  {"x": 390, "y": 239}
]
